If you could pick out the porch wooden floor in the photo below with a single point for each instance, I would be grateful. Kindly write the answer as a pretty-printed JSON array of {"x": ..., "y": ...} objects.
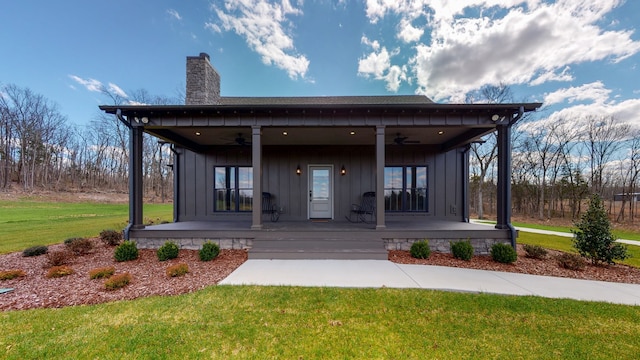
[{"x": 319, "y": 239}]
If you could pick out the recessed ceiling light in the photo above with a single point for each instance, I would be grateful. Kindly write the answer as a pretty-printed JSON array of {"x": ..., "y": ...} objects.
[
  {"x": 440, "y": 132},
  {"x": 285, "y": 133},
  {"x": 352, "y": 133},
  {"x": 198, "y": 133}
]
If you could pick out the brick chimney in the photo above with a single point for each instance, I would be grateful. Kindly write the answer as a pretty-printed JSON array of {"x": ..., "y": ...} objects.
[{"x": 203, "y": 81}]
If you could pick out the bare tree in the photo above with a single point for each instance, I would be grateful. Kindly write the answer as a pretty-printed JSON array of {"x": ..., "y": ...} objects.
[
  {"x": 485, "y": 153},
  {"x": 604, "y": 137}
]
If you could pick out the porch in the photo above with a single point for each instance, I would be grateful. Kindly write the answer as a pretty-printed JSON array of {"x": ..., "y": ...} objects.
[{"x": 325, "y": 239}]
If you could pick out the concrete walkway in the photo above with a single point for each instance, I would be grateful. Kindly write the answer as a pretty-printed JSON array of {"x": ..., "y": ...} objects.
[
  {"x": 555, "y": 233},
  {"x": 383, "y": 273}
]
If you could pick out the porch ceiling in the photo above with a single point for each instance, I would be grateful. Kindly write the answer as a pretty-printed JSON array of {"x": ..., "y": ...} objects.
[{"x": 229, "y": 136}]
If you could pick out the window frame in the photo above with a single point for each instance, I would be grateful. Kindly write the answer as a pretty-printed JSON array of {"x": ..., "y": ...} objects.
[
  {"x": 408, "y": 193},
  {"x": 233, "y": 192}
]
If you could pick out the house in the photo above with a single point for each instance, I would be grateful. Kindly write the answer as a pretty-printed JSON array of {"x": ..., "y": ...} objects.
[{"x": 316, "y": 157}]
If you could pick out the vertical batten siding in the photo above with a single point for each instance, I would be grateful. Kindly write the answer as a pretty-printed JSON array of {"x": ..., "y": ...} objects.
[{"x": 291, "y": 190}]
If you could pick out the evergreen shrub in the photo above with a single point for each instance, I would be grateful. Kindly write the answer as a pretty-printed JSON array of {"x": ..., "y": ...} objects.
[
  {"x": 126, "y": 251},
  {"x": 209, "y": 251},
  {"x": 462, "y": 250},
  {"x": 420, "y": 249},
  {"x": 503, "y": 253},
  {"x": 35, "y": 251},
  {"x": 593, "y": 238},
  {"x": 168, "y": 251}
]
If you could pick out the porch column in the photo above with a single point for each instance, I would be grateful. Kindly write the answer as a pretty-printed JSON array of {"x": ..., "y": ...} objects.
[
  {"x": 256, "y": 163},
  {"x": 503, "y": 195},
  {"x": 135, "y": 180},
  {"x": 380, "y": 155}
]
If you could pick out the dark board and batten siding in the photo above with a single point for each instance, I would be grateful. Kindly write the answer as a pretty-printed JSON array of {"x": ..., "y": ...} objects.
[{"x": 196, "y": 181}]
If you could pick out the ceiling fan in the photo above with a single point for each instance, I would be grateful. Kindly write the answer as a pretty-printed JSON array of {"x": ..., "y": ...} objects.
[
  {"x": 240, "y": 140},
  {"x": 402, "y": 140}
]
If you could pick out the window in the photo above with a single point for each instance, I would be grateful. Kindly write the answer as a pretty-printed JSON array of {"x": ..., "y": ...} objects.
[
  {"x": 405, "y": 188},
  {"x": 233, "y": 188}
]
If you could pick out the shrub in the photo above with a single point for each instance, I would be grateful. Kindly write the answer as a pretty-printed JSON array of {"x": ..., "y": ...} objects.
[
  {"x": 58, "y": 258},
  {"x": 503, "y": 253},
  {"x": 11, "y": 274},
  {"x": 571, "y": 261},
  {"x": 177, "y": 270},
  {"x": 420, "y": 249},
  {"x": 209, "y": 251},
  {"x": 101, "y": 273},
  {"x": 79, "y": 246},
  {"x": 168, "y": 251},
  {"x": 70, "y": 240},
  {"x": 111, "y": 237},
  {"x": 35, "y": 251},
  {"x": 535, "y": 251},
  {"x": 462, "y": 250},
  {"x": 59, "y": 271},
  {"x": 593, "y": 238},
  {"x": 117, "y": 281},
  {"x": 126, "y": 251}
]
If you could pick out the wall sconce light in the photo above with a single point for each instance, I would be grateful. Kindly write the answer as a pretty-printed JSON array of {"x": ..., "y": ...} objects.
[
  {"x": 343, "y": 171},
  {"x": 298, "y": 171}
]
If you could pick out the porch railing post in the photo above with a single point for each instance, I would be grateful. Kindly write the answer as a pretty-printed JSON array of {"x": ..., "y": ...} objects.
[
  {"x": 380, "y": 158},
  {"x": 256, "y": 161}
]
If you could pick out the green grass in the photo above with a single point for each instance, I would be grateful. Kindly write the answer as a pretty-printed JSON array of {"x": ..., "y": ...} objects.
[
  {"x": 329, "y": 323},
  {"x": 28, "y": 223},
  {"x": 620, "y": 234},
  {"x": 565, "y": 244}
]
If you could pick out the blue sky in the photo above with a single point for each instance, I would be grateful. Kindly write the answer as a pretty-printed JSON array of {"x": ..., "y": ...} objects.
[{"x": 577, "y": 56}]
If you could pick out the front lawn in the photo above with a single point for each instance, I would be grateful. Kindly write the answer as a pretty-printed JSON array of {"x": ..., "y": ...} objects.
[
  {"x": 223, "y": 322},
  {"x": 27, "y": 223}
]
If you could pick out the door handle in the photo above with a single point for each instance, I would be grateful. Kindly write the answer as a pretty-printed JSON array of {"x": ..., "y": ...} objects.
[{"x": 310, "y": 195}]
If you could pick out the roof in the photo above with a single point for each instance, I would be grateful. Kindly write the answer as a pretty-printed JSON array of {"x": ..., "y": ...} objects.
[
  {"x": 352, "y": 103},
  {"x": 326, "y": 100}
]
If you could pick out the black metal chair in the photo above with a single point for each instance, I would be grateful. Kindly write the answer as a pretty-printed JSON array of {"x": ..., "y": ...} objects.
[
  {"x": 366, "y": 211},
  {"x": 269, "y": 206}
]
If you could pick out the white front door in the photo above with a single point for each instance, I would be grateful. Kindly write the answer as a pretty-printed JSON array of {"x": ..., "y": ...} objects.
[{"x": 320, "y": 192}]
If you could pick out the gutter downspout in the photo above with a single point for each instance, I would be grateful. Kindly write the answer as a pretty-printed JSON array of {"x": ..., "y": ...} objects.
[{"x": 514, "y": 232}]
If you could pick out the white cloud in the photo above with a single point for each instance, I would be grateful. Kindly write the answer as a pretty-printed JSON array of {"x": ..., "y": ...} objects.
[
  {"x": 509, "y": 41},
  {"x": 378, "y": 65},
  {"x": 94, "y": 85},
  {"x": 174, "y": 14},
  {"x": 375, "y": 64},
  {"x": 264, "y": 27},
  {"x": 408, "y": 33},
  {"x": 595, "y": 91},
  {"x": 115, "y": 89},
  {"x": 375, "y": 45},
  {"x": 90, "y": 84},
  {"x": 575, "y": 117}
]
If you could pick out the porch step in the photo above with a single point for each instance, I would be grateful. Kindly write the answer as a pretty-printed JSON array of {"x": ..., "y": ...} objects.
[{"x": 314, "y": 248}]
